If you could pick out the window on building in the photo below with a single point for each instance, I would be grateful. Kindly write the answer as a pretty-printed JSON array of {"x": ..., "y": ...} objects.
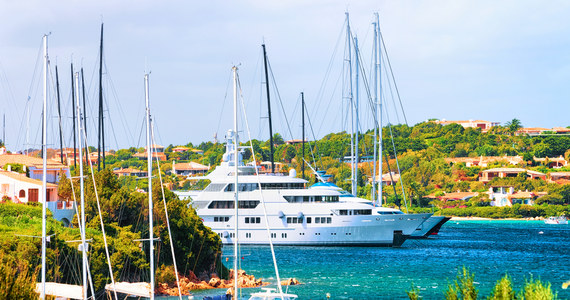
[{"x": 22, "y": 194}]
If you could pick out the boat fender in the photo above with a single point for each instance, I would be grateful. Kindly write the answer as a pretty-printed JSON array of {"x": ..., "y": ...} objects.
[
  {"x": 281, "y": 214},
  {"x": 300, "y": 215}
]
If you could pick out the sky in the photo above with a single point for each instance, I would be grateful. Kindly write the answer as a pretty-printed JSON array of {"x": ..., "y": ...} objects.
[{"x": 453, "y": 60}]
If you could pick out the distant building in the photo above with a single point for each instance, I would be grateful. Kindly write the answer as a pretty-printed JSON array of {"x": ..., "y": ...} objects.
[
  {"x": 533, "y": 131},
  {"x": 387, "y": 178},
  {"x": 35, "y": 166},
  {"x": 189, "y": 169},
  {"x": 487, "y": 175},
  {"x": 18, "y": 188},
  {"x": 130, "y": 172},
  {"x": 180, "y": 149},
  {"x": 484, "y": 161},
  {"x": 552, "y": 162},
  {"x": 506, "y": 196},
  {"x": 294, "y": 141},
  {"x": 157, "y": 153},
  {"x": 483, "y": 125}
]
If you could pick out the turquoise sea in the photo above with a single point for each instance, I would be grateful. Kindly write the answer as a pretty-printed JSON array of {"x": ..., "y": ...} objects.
[{"x": 523, "y": 249}]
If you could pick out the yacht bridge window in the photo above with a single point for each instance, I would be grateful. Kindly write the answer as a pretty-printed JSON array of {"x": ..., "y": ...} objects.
[
  {"x": 221, "y": 219},
  {"x": 229, "y": 204},
  {"x": 299, "y": 199},
  {"x": 354, "y": 212},
  {"x": 242, "y": 187},
  {"x": 215, "y": 187},
  {"x": 282, "y": 186},
  {"x": 252, "y": 220},
  {"x": 390, "y": 213},
  {"x": 294, "y": 220}
]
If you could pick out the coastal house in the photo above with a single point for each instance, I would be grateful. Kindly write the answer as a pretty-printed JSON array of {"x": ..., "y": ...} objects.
[
  {"x": 559, "y": 177},
  {"x": 189, "y": 169},
  {"x": 506, "y": 196},
  {"x": 180, "y": 149},
  {"x": 487, "y": 175},
  {"x": 534, "y": 131},
  {"x": 18, "y": 188},
  {"x": 130, "y": 172},
  {"x": 485, "y": 161},
  {"x": 387, "y": 178},
  {"x": 552, "y": 162},
  {"x": 483, "y": 125},
  {"x": 294, "y": 141},
  {"x": 34, "y": 166},
  {"x": 453, "y": 196},
  {"x": 157, "y": 153}
]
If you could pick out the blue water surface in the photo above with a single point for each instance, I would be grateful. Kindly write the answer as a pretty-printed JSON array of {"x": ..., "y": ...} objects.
[{"x": 490, "y": 249}]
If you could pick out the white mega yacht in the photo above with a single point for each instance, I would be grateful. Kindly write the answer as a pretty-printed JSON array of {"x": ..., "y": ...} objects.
[{"x": 296, "y": 215}]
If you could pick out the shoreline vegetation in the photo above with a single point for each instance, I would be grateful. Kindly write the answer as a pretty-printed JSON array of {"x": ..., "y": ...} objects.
[{"x": 464, "y": 287}]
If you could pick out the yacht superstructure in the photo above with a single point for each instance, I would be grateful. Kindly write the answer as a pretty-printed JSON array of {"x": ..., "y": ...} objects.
[{"x": 296, "y": 215}]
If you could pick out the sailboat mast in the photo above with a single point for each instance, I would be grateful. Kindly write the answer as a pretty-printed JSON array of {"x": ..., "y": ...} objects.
[
  {"x": 379, "y": 110},
  {"x": 59, "y": 115},
  {"x": 350, "y": 99},
  {"x": 375, "y": 112},
  {"x": 303, "y": 135},
  {"x": 4, "y": 131},
  {"x": 150, "y": 204},
  {"x": 268, "y": 109},
  {"x": 236, "y": 202},
  {"x": 101, "y": 132},
  {"x": 81, "y": 188},
  {"x": 44, "y": 171},
  {"x": 84, "y": 113},
  {"x": 73, "y": 110},
  {"x": 356, "y": 104}
]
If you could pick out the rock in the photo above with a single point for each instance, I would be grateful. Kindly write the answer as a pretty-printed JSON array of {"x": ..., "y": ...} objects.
[
  {"x": 214, "y": 282},
  {"x": 290, "y": 281}
]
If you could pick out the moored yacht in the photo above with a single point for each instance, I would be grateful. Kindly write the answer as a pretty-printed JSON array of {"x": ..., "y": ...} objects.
[{"x": 297, "y": 215}]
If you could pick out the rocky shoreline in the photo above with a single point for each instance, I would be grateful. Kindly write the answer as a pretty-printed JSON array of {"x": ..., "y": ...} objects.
[{"x": 192, "y": 282}]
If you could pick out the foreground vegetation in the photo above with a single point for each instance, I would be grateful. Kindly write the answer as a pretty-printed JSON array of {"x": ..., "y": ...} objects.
[
  {"x": 125, "y": 217},
  {"x": 464, "y": 288}
]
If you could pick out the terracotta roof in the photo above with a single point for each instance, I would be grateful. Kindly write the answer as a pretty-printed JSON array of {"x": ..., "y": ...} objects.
[
  {"x": 553, "y": 159},
  {"x": 190, "y": 166},
  {"x": 559, "y": 174},
  {"x": 29, "y": 161},
  {"x": 519, "y": 194},
  {"x": 23, "y": 178},
  {"x": 561, "y": 129},
  {"x": 128, "y": 171}
]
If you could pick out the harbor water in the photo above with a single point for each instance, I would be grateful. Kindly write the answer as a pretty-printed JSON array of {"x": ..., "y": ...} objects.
[{"x": 489, "y": 249}]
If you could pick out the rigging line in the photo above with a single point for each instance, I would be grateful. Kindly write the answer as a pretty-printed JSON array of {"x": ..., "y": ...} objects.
[
  {"x": 397, "y": 162},
  {"x": 314, "y": 138},
  {"x": 260, "y": 195},
  {"x": 393, "y": 78},
  {"x": 111, "y": 87},
  {"x": 100, "y": 215},
  {"x": 322, "y": 88},
  {"x": 166, "y": 213},
  {"x": 390, "y": 89},
  {"x": 279, "y": 97},
  {"x": 140, "y": 135},
  {"x": 223, "y": 105},
  {"x": 327, "y": 107}
]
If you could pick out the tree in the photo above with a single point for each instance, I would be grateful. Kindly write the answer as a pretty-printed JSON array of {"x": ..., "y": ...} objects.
[{"x": 514, "y": 125}]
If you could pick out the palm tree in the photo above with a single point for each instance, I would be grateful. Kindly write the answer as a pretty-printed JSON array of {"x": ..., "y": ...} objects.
[{"x": 514, "y": 125}]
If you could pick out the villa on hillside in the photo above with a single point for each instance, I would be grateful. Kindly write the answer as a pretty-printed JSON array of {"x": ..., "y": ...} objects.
[
  {"x": 130, "y": 172},
  {"x": 18, "y": 188},
  {"x": 483, "y": 125},
  {"x": 454, "y": 196},
  {"x": 387, "y": 178},
  {"x": 189, "y": 169},
  {"x": 484, "y": 161},
  {"x": 487, "y": 175},
  {"x": 533, "y": 131},
  {"x": 506, "y": 196},
  {"x": 552, "y": 162},
  {"x": 157, "y": 152},
  {"x": 34, "y": 166}
]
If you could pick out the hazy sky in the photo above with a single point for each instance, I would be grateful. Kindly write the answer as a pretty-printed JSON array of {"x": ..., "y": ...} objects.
[{"x": 490, "y": 60}]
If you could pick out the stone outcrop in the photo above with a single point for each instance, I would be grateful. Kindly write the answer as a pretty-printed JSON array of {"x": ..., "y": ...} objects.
[
  {"x": 290, "y": 281},
  {"x": 192, "y": 282}
]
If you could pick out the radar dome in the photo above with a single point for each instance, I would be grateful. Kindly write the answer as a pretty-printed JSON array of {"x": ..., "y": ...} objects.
[{"x": 292, "y": 173}]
